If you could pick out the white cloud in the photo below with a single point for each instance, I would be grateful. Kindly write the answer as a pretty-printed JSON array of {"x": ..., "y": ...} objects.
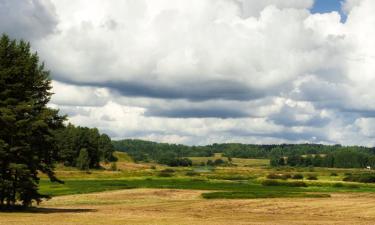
[{"x": 206, "y": 71}]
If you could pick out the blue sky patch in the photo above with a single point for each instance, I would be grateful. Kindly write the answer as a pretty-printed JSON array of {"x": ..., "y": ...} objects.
[{"x": 326, "y": 6}]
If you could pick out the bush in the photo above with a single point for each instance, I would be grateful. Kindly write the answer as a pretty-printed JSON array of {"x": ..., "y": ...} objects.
[
  {"x": 164, "y": 174},
  {"x": 312, "y": 177},
  {"x": 283, "y": 183},
  {"x": 113, "y": 166},
  {"x": 341, "y": 185},
  {"x": 338, "y": 185},
  {"x": 153, "y": 167},
  {"x": 168, "y": 171},
  {"x": 192, "y": 173},
  {"x": 278, "y": 176},
  {"x": 333, "y": 174},
  {"x": 296, "y": 184},
  {"x": 362, "y": 178},
  {"x": 270, "y": 183},
  {"x": 297, "y": 176}
]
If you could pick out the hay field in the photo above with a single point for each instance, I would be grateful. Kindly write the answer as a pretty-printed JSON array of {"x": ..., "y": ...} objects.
[{"x": 180, "y": 207}]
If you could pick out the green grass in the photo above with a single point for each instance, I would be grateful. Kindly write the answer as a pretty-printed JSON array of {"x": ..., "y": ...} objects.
[
  {"x": 228, "y": 189},
  {"x": 88, "y": 186},
  {"x": 228, "y": 182}
]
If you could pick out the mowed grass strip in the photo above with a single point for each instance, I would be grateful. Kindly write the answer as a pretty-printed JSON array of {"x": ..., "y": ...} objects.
[
  {"x": 229, "y": 189},
  {"x": 262, "y": 194}
]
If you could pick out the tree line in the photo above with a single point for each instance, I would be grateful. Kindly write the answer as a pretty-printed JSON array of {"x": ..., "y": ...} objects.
[
  {"x": 297, "y": 154},
  {"x": 343, "y": 158},
  {"x": 163, "y": 153}
]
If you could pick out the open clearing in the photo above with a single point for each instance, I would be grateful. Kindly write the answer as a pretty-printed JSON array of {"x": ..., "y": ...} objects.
[{"x": 167, "y": 206}]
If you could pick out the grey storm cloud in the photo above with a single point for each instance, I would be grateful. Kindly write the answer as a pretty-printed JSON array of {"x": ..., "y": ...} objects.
[
  {"x": 27, "y": 19},
  {"x": 206, "y": 90},
  {"x": 197, "y": 113}
]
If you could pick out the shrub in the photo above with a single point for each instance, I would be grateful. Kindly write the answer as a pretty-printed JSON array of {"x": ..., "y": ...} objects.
[
  {"x": 191, "y": 173},
  {"x": 362, "y": 178},
  {"x": 297, "y": 176},
  {"x": 296, "y": 184},
  {"x": 113, "y": 166},
  {"x": 168, "y": 171},
  {"x": 286, "y": 176},
  {"x": 338, "y": 185},
  {"x": 352, "y": 186},
  {"x": 164, "y": 174},
  {"x": 283, "y": 183},
  {"x": 333, "y": 174},
  {"x": 219, "y": 162},
  {"x": 341, "y": 185},
  {"x": 312, "y": 177},
  {"x": 153, "y": 167},
  {"x": 278, "y": 176},
  {"x": 270, "y": 183}
]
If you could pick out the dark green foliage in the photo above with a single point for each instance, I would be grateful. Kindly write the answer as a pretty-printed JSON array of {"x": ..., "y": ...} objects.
[
  {"x": 297, "y": 176},
  {"x": 302, "y": 155},
  {"x": 284, "y": 183},
  {"x": 333, "y": 174},
  {"x": 312, "y": 177},
  {"x": 219, "y": 162},
  {"x": 106, "y": 149},
  {"x": 338, "y": 185},
  {"x": 362, "y": 178},
  {"x": 83, "y": 160},
  {"x": 113, "y": 166},
  {"x": 279, "y": 176},
  {"x": 27, "y": 143},
  {"x": 348, "y": 157},
  {"x": 172, "y": 160},
  {"x": 71, "y": 139},
  {"x": 146, "y": 150},
  {"x": 210, "y": 163},
  {"x": 192, "y": 173},
  {"x": 166, "y": 173}
]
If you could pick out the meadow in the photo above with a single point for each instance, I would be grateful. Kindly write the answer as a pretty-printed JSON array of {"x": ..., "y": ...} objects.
[{"x": 171, "y": 192}]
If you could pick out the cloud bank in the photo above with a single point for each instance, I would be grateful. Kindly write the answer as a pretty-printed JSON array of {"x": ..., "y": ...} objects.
[{"x": 205, "y": 71}]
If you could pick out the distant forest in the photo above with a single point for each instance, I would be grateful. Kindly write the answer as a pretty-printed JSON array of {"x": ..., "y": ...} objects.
[{"x": 280, "y": 155}]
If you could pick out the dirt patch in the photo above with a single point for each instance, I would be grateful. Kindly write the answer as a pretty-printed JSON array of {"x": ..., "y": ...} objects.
[{"x": 167, "y": 207}]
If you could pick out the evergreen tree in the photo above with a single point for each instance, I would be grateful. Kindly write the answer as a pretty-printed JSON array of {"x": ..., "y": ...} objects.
[
  {"x": 83, "y": 160},
  {"x": 27, "y": 144},
  {"x": 106, "y": 148}
]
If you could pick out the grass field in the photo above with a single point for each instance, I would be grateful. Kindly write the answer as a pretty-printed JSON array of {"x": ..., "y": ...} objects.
[
  {"x": 186, "y": 207},
  {"x": 200, "y": 194}
]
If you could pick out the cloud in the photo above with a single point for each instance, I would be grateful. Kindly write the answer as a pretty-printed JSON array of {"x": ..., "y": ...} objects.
[
  {"x": 199, "y": 50},
  {"x": 27, "y": 19},
  {"x": 205, "y": 71}
]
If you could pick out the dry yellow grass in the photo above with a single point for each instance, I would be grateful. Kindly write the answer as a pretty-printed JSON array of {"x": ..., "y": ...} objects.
[{"x": 180, "y": 207}]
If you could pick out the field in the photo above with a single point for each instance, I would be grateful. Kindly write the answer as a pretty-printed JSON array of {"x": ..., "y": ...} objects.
[{"x": 243, "y": 193}]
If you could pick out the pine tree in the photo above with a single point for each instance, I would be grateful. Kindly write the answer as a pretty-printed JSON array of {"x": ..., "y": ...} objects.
[
  {"x": 83, "y": 160},
  {"x": 27, "y": 144}
]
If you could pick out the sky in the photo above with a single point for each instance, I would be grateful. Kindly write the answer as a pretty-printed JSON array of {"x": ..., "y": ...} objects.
[{"x": 208, "y": 71}]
